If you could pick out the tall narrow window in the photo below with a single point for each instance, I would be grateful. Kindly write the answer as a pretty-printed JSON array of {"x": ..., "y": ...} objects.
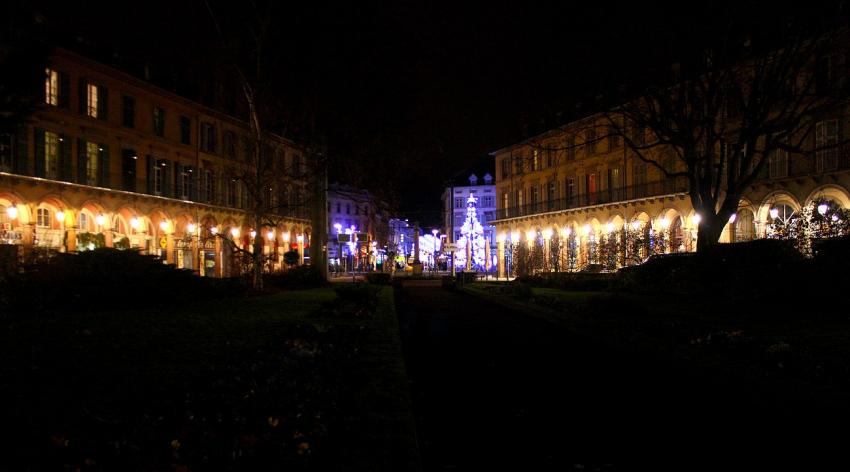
[
  {"x": 592, "y": 189},
  {"x": 550, "y": 196},
  {"x": 208, "y": 141},
  {"x": 590, "y": 142},
  {"x": 613, "y": 138},
  {"x": 778, "y": 164},
  {"x": 296, "y": 165},
  {"x": 159, "y": 176},
  {"x": 535, "y": 160},
  {"x": 159, "y": 121},
  {"x": 571, "y": 191},
  {"x": 43, "y": 218},
  {"x": 208, "y": 186},
  {"x": 51, "y": 87},
  {"x": 185, "y": 130},
  {"x": 506, "y": 167},
  {"x": 571, "y": 147},
  {"x": 185, "y": 175},
  {"x": 505, "y": 204},
  {"x": 230, "y": 144},
  {"x": 639, "y": 177},
  {"x": 92, "y": 99},
  {"x": 51, "y": 155},
  {"x": 129, "y": 111},
  {"x": 826, "y": 141},
  {"x": 92, "y": 155},
  {"x": 614, "y": 184},
  {"x": 5, "y": 152}
]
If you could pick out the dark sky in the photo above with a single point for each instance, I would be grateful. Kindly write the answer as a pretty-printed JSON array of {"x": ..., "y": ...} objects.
[{"x": 412, "y": 92}]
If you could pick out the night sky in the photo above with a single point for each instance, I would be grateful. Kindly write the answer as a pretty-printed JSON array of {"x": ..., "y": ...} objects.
[{"x": 407, "y": 94}]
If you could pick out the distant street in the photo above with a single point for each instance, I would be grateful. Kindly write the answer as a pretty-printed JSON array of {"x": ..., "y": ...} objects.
[{"x": 493, "y": 388}]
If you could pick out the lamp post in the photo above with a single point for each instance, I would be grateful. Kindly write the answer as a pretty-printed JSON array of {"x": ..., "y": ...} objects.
[
  {"x": 338, "y": 228},
  {"x": 434, "y": 232}
]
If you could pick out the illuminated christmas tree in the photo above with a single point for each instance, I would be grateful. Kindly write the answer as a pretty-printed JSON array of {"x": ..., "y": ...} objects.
[{"x": 471, "y": 241}]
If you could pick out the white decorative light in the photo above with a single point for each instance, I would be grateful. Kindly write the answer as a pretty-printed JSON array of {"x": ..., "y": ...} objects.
[
  {"x": 586, "y": 230},
  {"x": 664, "y": 222},
  {"x": 822, "y": 208},
  {"x": 12, "y": 211},
  {"x": 100, "y": 219},
  {"x": 191, "y": 228},
  {"x": 135, "y": 223},
  {"x": 636, "y": 224},
  {"x": 286, "y": 237},
  {"x": 214, "y": 230},
  {"x": 609, "y": 227},
  {"x": 300, "y": 238},
  {"x": 567, "y": 232},
  {"x": 547, "y": 233},
  {"x": 502, "y": 237},
  {"x": 514, "y": 236},
  {"x": 270, "y": 235},
  {"x": 60, "y": 216},
  {"x": 834, "y": 217},
  {"x": 774, "y": 213},
  {"x": 253, "y": 234},
  {"x": 733, "y": 217},
  {"x": 530, "y": 234},
  {"x": 696, "y": 219},
  {"x": 234, "y": 232},
  {"x": 163, "y": 225}
]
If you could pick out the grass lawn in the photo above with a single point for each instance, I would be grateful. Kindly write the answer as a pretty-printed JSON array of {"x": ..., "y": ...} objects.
[
  {"x": 233, "y": 384},
  {"x": 776, "y": 343}
]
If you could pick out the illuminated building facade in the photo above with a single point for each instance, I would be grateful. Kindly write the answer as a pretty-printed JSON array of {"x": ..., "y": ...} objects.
[{"x": 109, "y": 160}]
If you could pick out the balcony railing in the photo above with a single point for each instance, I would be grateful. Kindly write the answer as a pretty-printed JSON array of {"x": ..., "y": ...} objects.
[{"x": 612, "y": 195}]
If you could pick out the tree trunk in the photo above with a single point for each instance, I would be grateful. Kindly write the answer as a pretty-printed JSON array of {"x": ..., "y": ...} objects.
[
  {"x": 258, "y": 255},
  {"x": 710, "y": 229},
  {"x": 319, "y": 217}
]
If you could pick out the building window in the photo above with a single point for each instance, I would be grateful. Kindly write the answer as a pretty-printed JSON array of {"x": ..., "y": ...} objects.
[
  {"x": 826, "y": 141},
  {"x": 230, "y": 144},
  {"x": 5, "y": 152},
  {"x": 590, "y": 142},
  {"x": 338, "y": 207},
  {"x": 296, "y": 165},
  {"x": 159, "y": 121},
  {"x": 550, "y": 196},
  {"x": 534, "y": 197},
  {"x": 550, "y": 158},
  {"x": 778, "y": 164},
  {"x": 571, "y": 147},
  {"x": 506, "y": 167},
  {"x": 571, "y": 190},
  {"x": 51, "y": 155},
  {"x": 347, "y": 208},
  {"x": 185, "y": 175},
  {"x": 744, "y": 226},
  {"x": 129, "y": 111},
  {"x": 639, "y": 136},
  {"x": 92, "y": 100},
  {"x": 43, "y": 218},
  {"x": 185, "y": 130},
  {"x": 613, "y": 139},
  {"x": 486, "y": 201},
  {"x": 83, "y": 223},
  {"x": 535, "y": 160},
  {"x": 92, "y": 155},
  {"x": 505, "y": 203},
  {"x": 208, "y": 137},
  {"x": 639, "y": 172},
  {"x": 51, "y": 87},
  {"x": 208, "y": 186},
  {"x": 231, "y": 192},
  {"x": 158, "y": 176},
  {"x": 459, "y": 202},
  {"x": 518, "y": 164}
]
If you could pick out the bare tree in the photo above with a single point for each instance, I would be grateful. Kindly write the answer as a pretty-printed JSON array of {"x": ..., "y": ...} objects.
[
  {"x": 275, "y": 187},
  {"x": 718, "y": 127}
]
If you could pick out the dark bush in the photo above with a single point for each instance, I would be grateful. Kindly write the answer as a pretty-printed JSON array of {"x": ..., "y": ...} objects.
[
  {"x": 357, "y": 299},
  {"x": 464, "y": 277},
  {"x": 104, "y": 279},
  {"x": 521, "y": 290},
  {"x": 572, "y": 281},
  {"x": 378, "y": 278},
  {"x": 296, "y": 278},
  {"x": 448, "y": 282}
]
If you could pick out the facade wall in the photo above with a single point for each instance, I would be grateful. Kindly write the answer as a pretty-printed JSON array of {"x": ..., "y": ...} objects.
[
  {"x": 570, "y": 183},
  {"x": 116, "y": 157}
]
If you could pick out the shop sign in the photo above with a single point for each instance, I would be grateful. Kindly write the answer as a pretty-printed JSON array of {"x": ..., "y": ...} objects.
[
  {"x": 163, "y": 242},
  {"x": 183, "y": 244},
  {"x": 209, "y": 244},
  {"x": 9, "y": 235}
]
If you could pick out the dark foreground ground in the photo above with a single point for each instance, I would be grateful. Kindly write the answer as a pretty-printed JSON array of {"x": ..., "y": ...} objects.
[{"x": 493, "y": 388}]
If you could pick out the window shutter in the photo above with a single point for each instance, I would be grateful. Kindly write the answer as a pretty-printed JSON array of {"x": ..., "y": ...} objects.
[
  {"x": 66, "y": 164},
  {"x": 39, "y": 152},
  {"x": 151, "y": 163},
  {"x": 22, "y": 151},
  {"x": 168, "y": 179},
  {"x": 103, "y": 167},
  {"x": 82, "y": 155},
  {"x": 102, "y": 103},
  {"x": 83, "y": 97},
  {"x": 64, "y": 90}
]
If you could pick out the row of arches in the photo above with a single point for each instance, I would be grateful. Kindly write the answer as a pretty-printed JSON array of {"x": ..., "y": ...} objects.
[{"x": 187, "y": 236}]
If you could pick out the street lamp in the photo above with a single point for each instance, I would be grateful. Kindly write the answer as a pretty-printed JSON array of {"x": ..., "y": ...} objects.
[{"x": 12, "y": 211}]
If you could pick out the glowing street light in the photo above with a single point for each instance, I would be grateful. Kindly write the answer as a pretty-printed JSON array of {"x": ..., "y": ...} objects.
[
  {"x": 163, "y": 225},
  {"x": 514, "y": 236},
  {"x": 696, "y": 219},
  {"x": 610, "y": 227},
  {"x": 234, "y": 232},
  {"x": 774, "y": 213},
  {"x": 636, "y": 224},
  {"x": 586, "y": 230},
  {"x": 566, "y": 232},
  {"x": 60, "y": 216},
  {"x": 733, "y": 218},
  {"x": 547, "y": 234},
  {"x": 253, "y": 234},
  {"x": 822, "y": 208},
  {"x": 270, "y": 235},
  {"x": 664, "y": 222},
  {"x": 529, "y": 235},
  {"x": 190, "y": 228},
  {"x": 214, "y": 230},
  {"x": 12, "y": 211},
  {"x": 135, "y": 223},
  {"x": 99, "y": 219},
  {"x": 502, "y": 237}
]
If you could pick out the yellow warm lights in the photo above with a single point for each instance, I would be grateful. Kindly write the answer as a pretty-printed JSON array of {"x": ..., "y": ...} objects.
[
  {"x": 60, "y": 216},
  {"x": 547, "y": 233},
  {"x": 12, "y": 212},
  {"x": 234, "y": 232},
  {"x": 135, "y": 223},
  {"x": 100, "y": 219}
]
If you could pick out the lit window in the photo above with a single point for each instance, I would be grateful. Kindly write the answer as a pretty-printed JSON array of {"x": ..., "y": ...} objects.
[
  {"x": 91, "y": 100},
  {"x": 83, "y": 222},
  {"x": 51, "y": 155},
  {"x": 43, "y": 218},
  {"x": 92, "y": 155},
  {"x": 51, "y": 87}
]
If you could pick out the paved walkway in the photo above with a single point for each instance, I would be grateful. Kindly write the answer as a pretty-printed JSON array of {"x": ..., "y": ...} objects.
[{"x": 493, "y": 388}]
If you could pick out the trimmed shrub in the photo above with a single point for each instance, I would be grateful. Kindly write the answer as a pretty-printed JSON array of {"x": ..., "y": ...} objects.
[
  {"x": 378, "y": 278},
  {"x": 104, "y": 279},
  {"x": 448, "y": 282},
  {"x": 301, "y": 277}
]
